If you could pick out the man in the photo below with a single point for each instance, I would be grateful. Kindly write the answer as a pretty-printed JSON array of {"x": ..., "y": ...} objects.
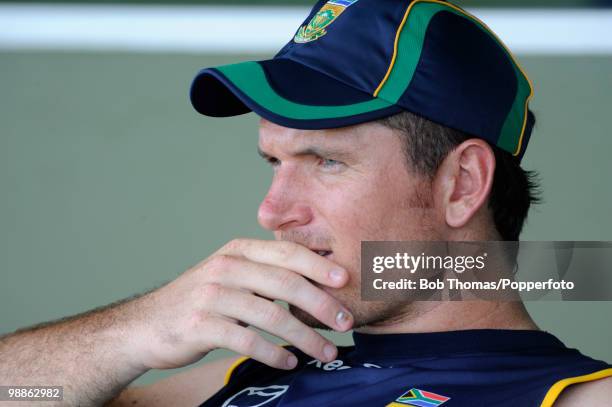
[{"x": 383, "y": 120}]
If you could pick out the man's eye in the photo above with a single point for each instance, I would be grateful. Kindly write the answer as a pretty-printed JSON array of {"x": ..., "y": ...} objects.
[{"x": 329, "y": 163}]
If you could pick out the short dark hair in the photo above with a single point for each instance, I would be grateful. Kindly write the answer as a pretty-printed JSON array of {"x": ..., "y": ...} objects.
[{"x": 514, "y": 190}]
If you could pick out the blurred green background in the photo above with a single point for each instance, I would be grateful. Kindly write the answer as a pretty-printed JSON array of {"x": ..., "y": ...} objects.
[{"x": 111, "y": 184}]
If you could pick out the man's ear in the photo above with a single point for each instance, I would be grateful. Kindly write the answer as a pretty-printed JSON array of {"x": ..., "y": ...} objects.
[{"x": 463, "y": 181}]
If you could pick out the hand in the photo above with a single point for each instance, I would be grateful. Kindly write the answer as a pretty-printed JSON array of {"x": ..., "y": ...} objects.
[{"x": 210, "y": 305}]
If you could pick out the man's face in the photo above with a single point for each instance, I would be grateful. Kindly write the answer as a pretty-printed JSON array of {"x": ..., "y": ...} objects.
[{"x": 332, "y": 189}]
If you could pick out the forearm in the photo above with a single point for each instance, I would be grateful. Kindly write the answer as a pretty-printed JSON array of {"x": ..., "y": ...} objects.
[{"x": 88, "y": 354}]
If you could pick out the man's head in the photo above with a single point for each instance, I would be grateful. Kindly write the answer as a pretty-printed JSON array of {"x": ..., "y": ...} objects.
[
  {"x": 384, "y": 120},
  {"x": 400, "y": 178}
]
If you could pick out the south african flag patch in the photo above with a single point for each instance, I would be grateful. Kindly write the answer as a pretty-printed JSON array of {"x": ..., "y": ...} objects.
[{"x": 420, "y": 398}]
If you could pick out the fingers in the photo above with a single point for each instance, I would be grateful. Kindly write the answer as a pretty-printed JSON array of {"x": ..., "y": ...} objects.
[
  {"x": 224, "y": 334},
  {"x": 242, "y": 279},
  {"x": 288, "y": 255},
  {"x": 278, "y": 283},
  {"x": 272, "y": 318}
]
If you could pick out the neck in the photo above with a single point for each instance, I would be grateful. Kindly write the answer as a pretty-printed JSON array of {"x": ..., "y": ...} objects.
[{"x": 434, "y": 316}]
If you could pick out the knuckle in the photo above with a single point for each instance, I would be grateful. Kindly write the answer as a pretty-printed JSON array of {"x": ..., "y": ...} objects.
[
  {"x": 300, "y": 334},
  {"x": 219, "y": 263},
  {"x": 274, "y": 314},
  {"x": 199, "y": 319},
  {"x": 211, "y": 292},
  {"x": 234, "y": 243},
  {"x": 247, "y": 342},
  {"x": 237, "y": 244},
  {"x": 287, "y": 281}
]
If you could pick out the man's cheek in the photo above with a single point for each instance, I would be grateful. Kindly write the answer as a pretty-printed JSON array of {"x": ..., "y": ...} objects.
[{"x": 358, "y": 221}]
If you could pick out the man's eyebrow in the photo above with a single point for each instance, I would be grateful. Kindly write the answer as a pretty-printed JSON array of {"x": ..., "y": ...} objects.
[{"x": 311, "y": 150}]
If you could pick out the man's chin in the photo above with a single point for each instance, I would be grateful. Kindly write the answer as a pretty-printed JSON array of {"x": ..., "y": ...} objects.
[{"x": 306, "y": 318}]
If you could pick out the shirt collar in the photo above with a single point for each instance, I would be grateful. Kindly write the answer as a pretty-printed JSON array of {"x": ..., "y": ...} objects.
[{"x": 454, "y": 342}]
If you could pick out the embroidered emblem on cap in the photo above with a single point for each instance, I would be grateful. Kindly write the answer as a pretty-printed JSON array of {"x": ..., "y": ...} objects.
[{"x": 315, "y": 29}]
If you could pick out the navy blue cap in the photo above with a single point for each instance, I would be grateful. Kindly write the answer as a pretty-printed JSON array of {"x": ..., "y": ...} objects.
[{"x": 353, "y": 61}]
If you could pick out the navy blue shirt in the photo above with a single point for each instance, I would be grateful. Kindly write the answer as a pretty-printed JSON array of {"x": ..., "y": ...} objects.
[{"x": 451, "y": 369}]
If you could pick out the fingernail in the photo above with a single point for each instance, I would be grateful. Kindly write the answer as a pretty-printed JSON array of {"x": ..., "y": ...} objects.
[
  {"x": 329, "y": 351},
  {"x": 336, "y": 275},
  {"x": 342, "y": 318},
  {"x": 292, "y": 362}
]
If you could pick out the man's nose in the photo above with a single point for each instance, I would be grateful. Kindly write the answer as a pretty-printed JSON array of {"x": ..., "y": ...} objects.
[{"x": 282, "y": 207}]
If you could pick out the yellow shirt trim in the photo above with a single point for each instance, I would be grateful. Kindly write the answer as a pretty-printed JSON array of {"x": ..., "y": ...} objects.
[
  {"x": 238, "y": 362},
  {"x": 228, "y": 373},
  {"x": 557, "y": 388}
]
